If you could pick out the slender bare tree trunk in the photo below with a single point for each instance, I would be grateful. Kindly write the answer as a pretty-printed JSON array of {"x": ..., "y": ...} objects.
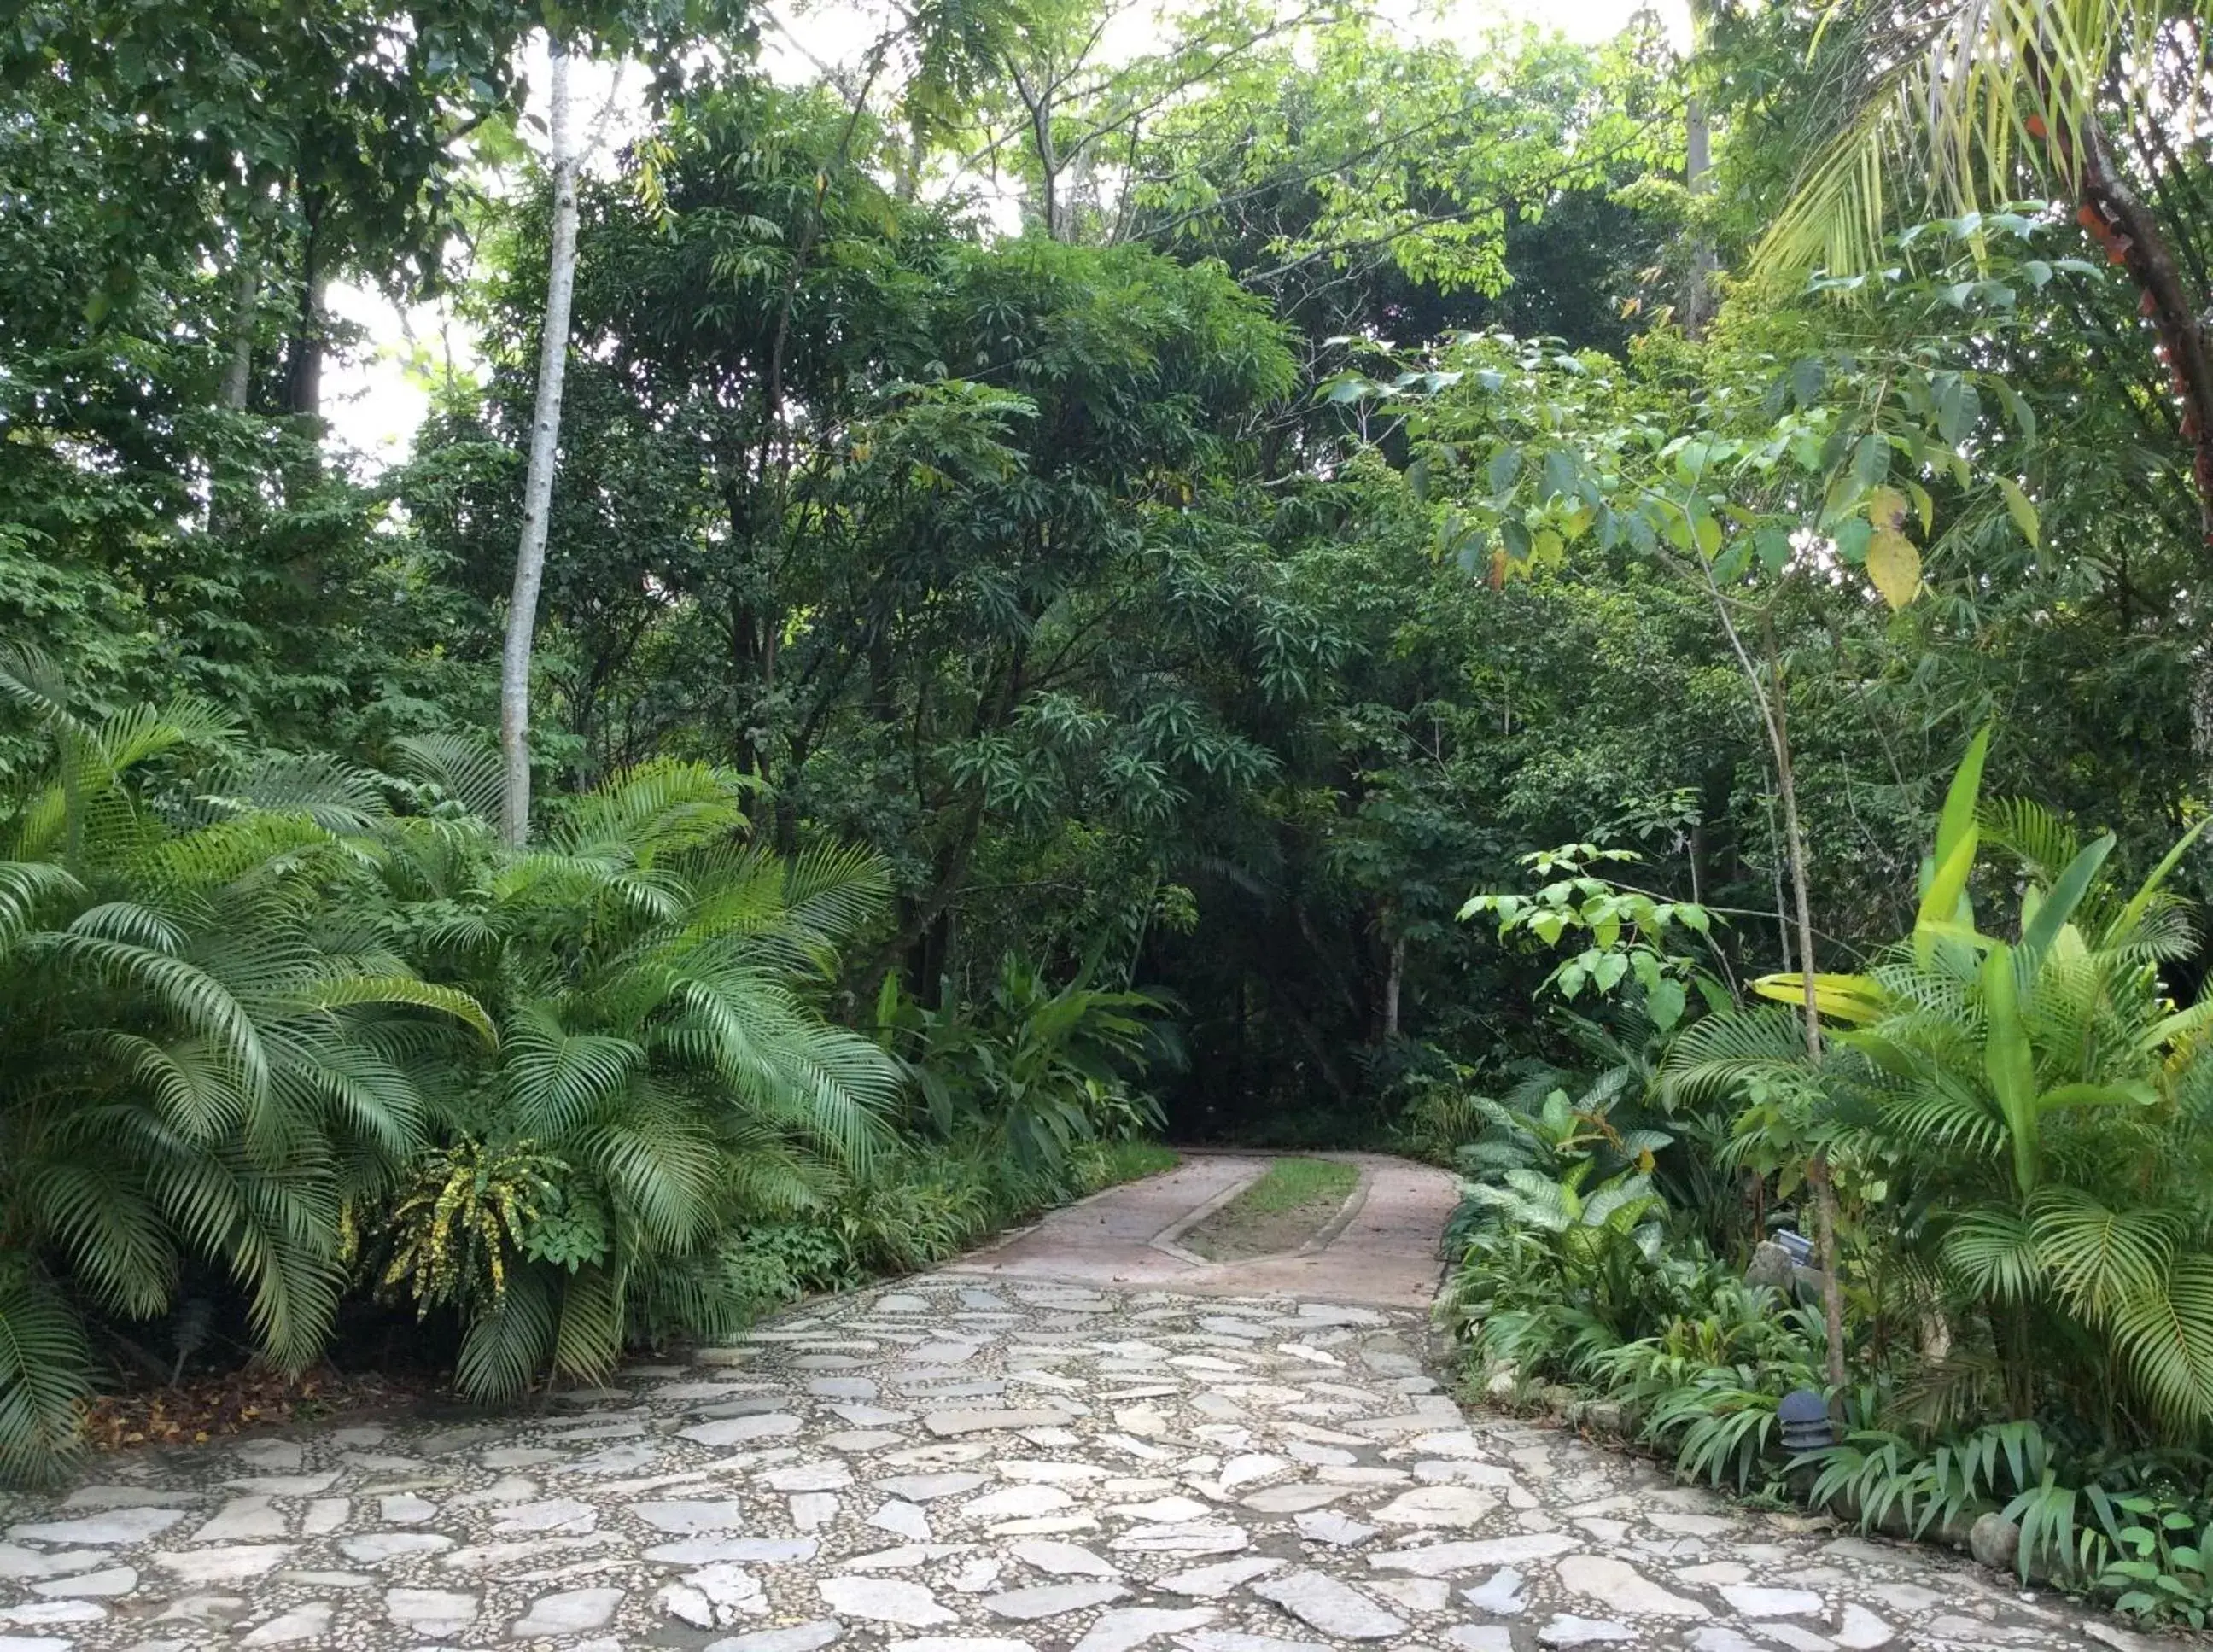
[
  {"x": 1698, "y": 175},
  {"x": 1817, "y": 1169},
  {"x": 238, "y": 372},
  {"x": 1767, "y": 692},
  {"x": 538, "y": 483}
]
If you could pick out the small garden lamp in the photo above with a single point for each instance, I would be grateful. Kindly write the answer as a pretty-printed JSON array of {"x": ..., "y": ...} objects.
[{"x": 1805, "y": 1418}]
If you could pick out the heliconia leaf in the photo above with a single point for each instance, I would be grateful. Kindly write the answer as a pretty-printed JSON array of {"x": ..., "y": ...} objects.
[{"x": 1853, "y": 998}]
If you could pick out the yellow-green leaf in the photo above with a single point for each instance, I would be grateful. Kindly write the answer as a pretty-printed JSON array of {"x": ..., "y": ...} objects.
[
  {"x": 2018, "y": 507},
  {"x": 1894, "y": 564}
]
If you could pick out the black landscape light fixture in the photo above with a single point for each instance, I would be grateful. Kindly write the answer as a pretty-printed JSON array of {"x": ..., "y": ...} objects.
[{"x": 1805, "y": 1418}]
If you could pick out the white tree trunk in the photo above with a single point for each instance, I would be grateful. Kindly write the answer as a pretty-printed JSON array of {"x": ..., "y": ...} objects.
[{"x": 538, "y": 485}]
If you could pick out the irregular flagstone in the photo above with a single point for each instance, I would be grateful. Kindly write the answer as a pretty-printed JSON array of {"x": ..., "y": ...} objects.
[
  {"x": 947, "y": 1423},
  {"x": 1438, "y": 1505},
  {"x": 1442, "y": 1559},
  {"x": 1624, "y": 1588},
  {"x": 1230, "y": 1640},
  {"x": 1752, "y": 1602},
  {"x": 430, "y": 1611},
  {"x": 1208, "y": 1582},
  {"x": 926, "y": 1488},
  {"x": 1568, "y": 1630},
  {"x": 795, "y": 1637},
  {"x": 1164, "y": 1456},
  {"x": 1337, "y": 1609},
  {"x": 700, "y": 1551},
  {"x": 230, "y": 1564},
  {"x": 1052, "y": 1599},
  {"x": 1120, "y": 1630},
  {"x": 685, "y": 1515},
  {"x": 1061, "y": 1559},
  {"x": 302, "y": 1623},
  {"x": 573, "y": 1611},
  {"x": 374, "y": 1548},
  {"x": 884, "y": 1600},
  {"x": 117, "y": 1527}
]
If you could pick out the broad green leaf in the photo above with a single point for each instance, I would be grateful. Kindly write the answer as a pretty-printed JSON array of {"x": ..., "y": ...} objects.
[{"x": 2018, "y": 507}]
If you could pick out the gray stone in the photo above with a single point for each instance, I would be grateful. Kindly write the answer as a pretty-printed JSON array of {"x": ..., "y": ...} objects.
[
  {"x": 573, "y": 1611},
  {"x": 1322, "y": 1602},
  {"x": 557, "y": 1515},
  {"x": 1481, "y": 1637},
  {"x": 1293, "y": 1498},
  {"x": 1231, "y": 1640},
  {"x": 230, "y": 1564},
  {"x": 1209, "y": 1582},
  {"x": 809, "y": 1477},
  {"x": 1126, "y": 1627},
  {"x": 1052, "y": 1599},
  {"x": 1499, "y": 1594},
  {"x": 1862, "y": 1630},
  {"x": 1995, "y": 1541},
  {"x": 1440, "y": 1559},
  {"x": 703, "y": 1550},
  {"x": 405, "y": 1509},
  {"x": 902, "y": 1520},
  {"x": 796, "y": 1637},
  {"x": 1184, "y": 1539},
  {"x": 925, "y": 1487},
  {"x": 687, "y": 1516},
  {"x": 117, "y": 1526},
  {"x": 108, "y": 1581},
  {"x": 945, "y": 1425},
  {"x": 735, "y": 1431},
  {"x": 1621, "y": 1586},
  {"x": 242, "y": 1518},
  {"x": 374, "y": 1548},
  {"x": 1750, "y": 1601},
  {"x": 1568, "y": 1630},
  {"x": 17, "y": 1563},
  {"x": 310, "y": 1622},
  {"x": 1438, "y": 1505},
  {"x": 1061, "y": 1559},
  {"x": 430, "y": 1611},
  {"x": 1326, "y": 1526},
  {"x": 884, "y": 1600}
]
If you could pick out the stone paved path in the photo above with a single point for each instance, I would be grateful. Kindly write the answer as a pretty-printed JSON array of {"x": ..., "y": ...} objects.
[{"x": 998, "y": 1462}]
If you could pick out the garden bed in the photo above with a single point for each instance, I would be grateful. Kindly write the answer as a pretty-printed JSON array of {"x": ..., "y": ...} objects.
[{"x": 1281, "y": 1211}]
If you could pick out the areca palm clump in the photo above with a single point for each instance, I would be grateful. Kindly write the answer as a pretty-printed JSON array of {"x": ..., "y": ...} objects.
[
  {"x": 203, "y": 1059},
  {"x": 2031, "y": 1116},
  {"x": 663, "y": 1077}
]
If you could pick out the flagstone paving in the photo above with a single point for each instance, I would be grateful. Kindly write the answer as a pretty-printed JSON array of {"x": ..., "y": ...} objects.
[{"x": 957, "y": 1463}]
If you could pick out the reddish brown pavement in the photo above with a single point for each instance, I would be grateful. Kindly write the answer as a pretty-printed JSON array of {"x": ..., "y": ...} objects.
[{"x": 1383, "y": 1249}]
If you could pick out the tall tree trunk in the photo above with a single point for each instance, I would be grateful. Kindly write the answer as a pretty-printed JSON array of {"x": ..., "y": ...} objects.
[
  {"x": 1767, "y": 693},
  {"x": 238, "y": 372},
  {"x": 303, "y": 365},
  {"x": 1698, "y": 303},
  {"x": 538, "y": 483},
  {"x": 1394, "y": 980},
  {"x": 1817, "y": 1168}
]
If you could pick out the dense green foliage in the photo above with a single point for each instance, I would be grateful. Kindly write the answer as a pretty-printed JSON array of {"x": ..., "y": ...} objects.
[{"x": 999, "y": 689}]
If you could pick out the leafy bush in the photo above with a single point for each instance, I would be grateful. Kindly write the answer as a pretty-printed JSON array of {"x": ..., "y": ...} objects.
[
  {"x": 203, "y": 1059},
  {"x": 562, "y": 1099},
  {"x": 1040, "y": 1069},
  {"x": 2011, "y": 1101}
]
